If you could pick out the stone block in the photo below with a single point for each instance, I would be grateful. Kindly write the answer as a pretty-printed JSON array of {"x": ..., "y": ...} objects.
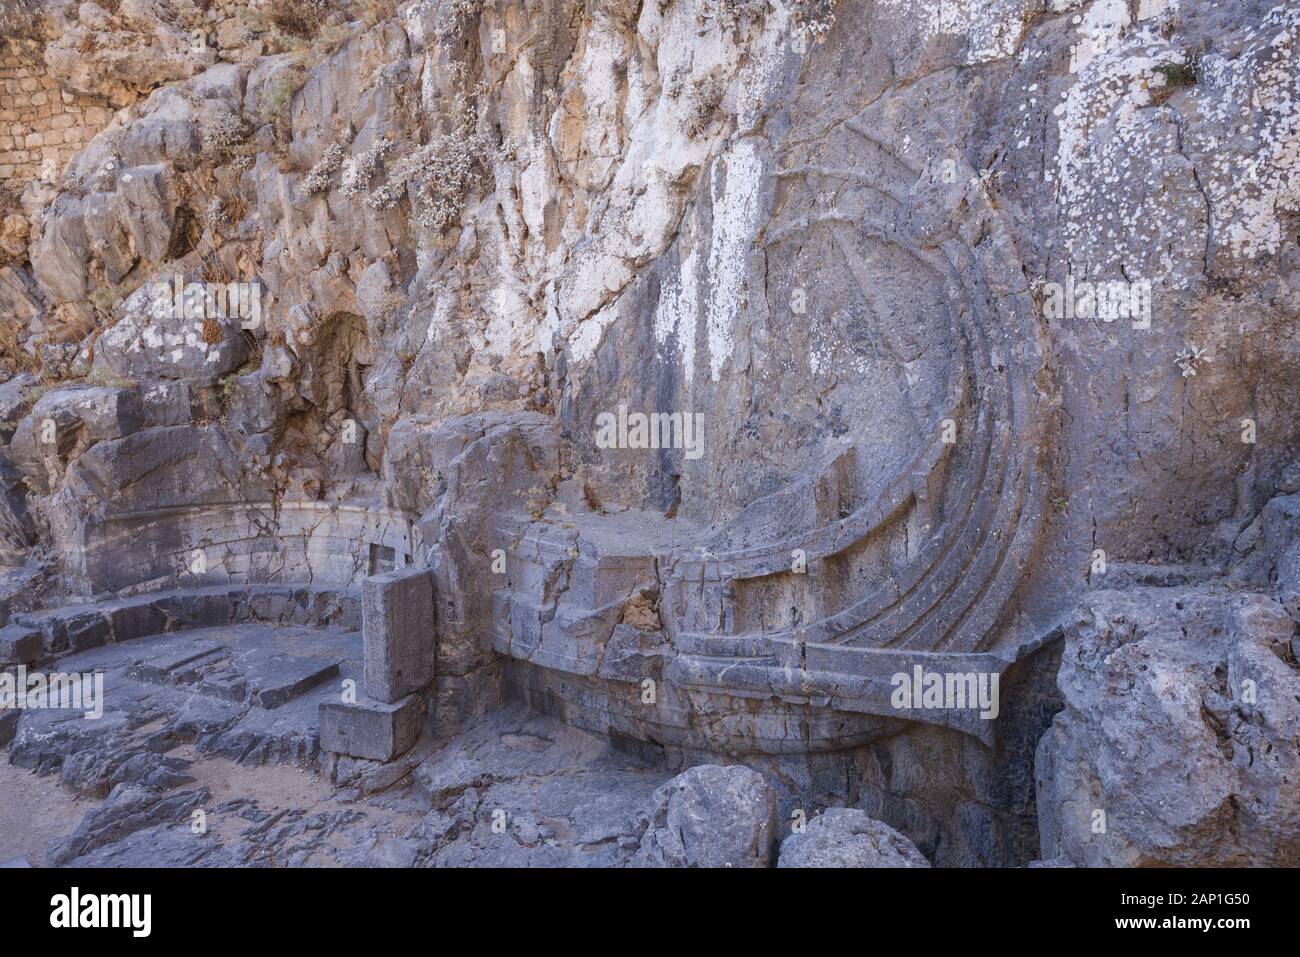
[
  {"x": 275, "y": 604},
  {"x": 70, "y": 629},
  {"x": 196, "y": 608},
  {"x": 397, "y": 627},
  {"x": 280, "y": 679},
  {"x": 8, "y": 725},
  {"x": 19, "y": 645},
  {"x": 175, "y": 661},
  {"x": 89, "y": 630},
  {"x": 166, "y": 403},
  {"x": 371, "y": 729},
  {"x": 134, "y": 618}
]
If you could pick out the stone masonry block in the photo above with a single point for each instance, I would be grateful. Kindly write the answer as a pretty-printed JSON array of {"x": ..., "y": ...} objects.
[
  {"x": 19, "y": 645},
  {"x": 8, "y": 725},
  {"x": 397, "y": 628},
  {"x": 371, "y": 729},
  {"x": 134, "y": 618}
]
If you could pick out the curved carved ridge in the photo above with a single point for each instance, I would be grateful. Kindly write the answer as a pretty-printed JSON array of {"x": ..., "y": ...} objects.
[
  {"x": 950, "y": 596},
  {"x": 846, "y": 623},
  {"x": 971, "y": 508},
  {"x": 910, "y": 481}
]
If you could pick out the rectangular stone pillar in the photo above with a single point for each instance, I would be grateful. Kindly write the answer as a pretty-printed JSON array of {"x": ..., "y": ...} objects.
[{"x": 397, "y": 630}]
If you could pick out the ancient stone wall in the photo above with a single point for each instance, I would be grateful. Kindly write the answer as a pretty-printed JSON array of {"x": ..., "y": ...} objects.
[{"x": 41, "y": 125}]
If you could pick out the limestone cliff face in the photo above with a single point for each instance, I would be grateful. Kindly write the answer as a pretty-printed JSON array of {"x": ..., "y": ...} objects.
[{"x": 861, "y": 239}]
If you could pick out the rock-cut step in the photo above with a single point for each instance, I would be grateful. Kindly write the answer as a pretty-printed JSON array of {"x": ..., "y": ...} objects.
[{"x": 246, "y": 668}]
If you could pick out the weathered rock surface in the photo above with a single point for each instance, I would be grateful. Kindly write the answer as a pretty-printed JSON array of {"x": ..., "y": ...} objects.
[
  {"x": 710, "y": 816},
  {"x": 521, "y": 790},
  {"x": 248, "y": 693},
  {"x": 127, "y": 810},
  {"x": 848, "y": 837},
  {"x": 821, "y": 241},
  {"x": 1177, "y": 746},
  {"x": 123, "y": 49}
]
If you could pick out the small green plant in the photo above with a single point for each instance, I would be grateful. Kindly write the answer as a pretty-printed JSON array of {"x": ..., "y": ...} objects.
[
  {"x": 101, "y": 378},
  {"x": 105, "y": 298},
  {"x": 280, "y": 91},
  {"x": 1185, "y": 73},
  {"x": 227, "y": 384}
]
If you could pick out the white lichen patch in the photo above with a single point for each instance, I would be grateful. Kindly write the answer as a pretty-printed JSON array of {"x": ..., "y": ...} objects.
[
  {"x": 1253, "y": 175},
  {"x": 1123, "y": 157},
  {"x": 677, "y": 315},
  {"x": 684, "y": 88},
  {"x": 1099, "y": 30},
  {"x": 737, "y": 209},
  {"x": 1111, "y": 137},
  {"x": 992, "y": 29}
]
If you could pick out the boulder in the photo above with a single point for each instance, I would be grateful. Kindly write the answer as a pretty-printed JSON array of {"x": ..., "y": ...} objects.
[
  {"x": 119, "y": 54},
  {"x": 848, "y": 837},
  {"x": 1177, "y": 745},
  {"x": 710, "y": 816},
  {"x": 129, "y": 808},
  {"x": 16, "y": 398},
  {"x": 63, "y": 423},
  {"x": 163, "y": 336}
]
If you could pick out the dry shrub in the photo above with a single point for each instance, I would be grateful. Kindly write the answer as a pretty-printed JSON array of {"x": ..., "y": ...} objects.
[
  {"x": 20, "y": 23},
  {"x": 12, "y": 355},
  {"x": 299, "y": 18}
]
